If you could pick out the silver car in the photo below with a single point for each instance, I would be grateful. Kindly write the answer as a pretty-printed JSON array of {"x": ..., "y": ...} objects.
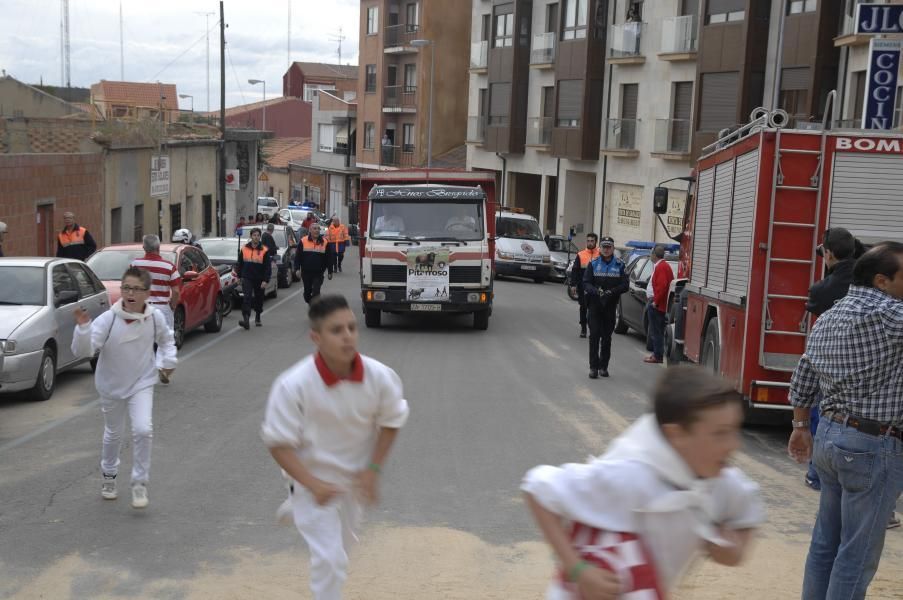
[{"x": 37, "y": 301}]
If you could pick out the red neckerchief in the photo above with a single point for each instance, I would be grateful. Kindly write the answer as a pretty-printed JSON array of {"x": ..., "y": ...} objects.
[{"x": 331, "y": 379}]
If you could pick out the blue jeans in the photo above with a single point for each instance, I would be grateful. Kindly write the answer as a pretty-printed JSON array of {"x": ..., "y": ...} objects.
[
  {"x": 861, "y": 478},
  {"x": 812, "y": 474},
  {"x": 656, "y": 331}
]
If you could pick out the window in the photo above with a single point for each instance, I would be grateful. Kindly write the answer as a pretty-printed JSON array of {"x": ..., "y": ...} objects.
[
  {"x": 504, "y": 27},
  {"x": 725, "y": 11},
  {"x": 485, "y": 27},
  {"x": 207, "y": 202},
  {"x": 737, "y": 15},
  {"x": 412, "y": 17},
  {"x": 635, "y": 11},
  {"x": 62, "y": 280},
  {"x": 326, "y": 142},
  {"x": 548, "y": 102},
  {"x": 410, "y": 78},
  {"x": 570, "y": 103},
  {"x": 552, "y": 17},
  {"x": 86, "y": 285},
  {"x": 407, "y": 137},
  {"x": 372, "y": 20},
  {"x": 802, "y": 6},
  {"x": 310, "y": 90},
  {"x": 575, "y": 15},
  {"x": 499, "y": 103},
  {"x": 858, "y": 94},
  {"x": 369, "y": 135},
  {"x": 175, "y": 217},
  {"x": 138, "y": 234},
  {"x": 370, "y": 78}
]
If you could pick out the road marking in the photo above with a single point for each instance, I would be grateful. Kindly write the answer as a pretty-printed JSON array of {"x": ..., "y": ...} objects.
[
  {"x": 83, "y": 409},
  {"x": 543, "y": 348}
]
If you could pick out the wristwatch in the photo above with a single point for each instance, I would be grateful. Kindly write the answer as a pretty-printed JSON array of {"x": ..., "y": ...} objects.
[{"x": 804, "y": 424}]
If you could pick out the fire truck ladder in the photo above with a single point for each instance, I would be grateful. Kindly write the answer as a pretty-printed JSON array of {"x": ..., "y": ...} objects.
[{"x": 779, "y": 194}]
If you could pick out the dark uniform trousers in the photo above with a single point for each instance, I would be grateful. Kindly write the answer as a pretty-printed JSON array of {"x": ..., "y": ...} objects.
[
  {"x": 253, "y": 296},
  {"x": 601, "y": 313},
  {"x": 312, "y": 281}
]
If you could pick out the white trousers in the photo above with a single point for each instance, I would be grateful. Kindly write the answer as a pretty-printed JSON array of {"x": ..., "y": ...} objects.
[
  {"x": 329, "y": 532},
  {"x": 139, "y": 408}
]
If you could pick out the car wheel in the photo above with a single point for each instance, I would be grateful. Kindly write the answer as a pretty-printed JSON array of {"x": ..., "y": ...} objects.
[
  {"x": 620, "y": 323},
  {"x": 46, "y": 381},
  {"x": 481, "y": 320},
  {"x": 372, "y": 317},
  {"x": 711, "y": 347},
  {"x": 215, "y": 322},
  {"x": 275, "y": 291},
  {"x": 178, "y": 329}
]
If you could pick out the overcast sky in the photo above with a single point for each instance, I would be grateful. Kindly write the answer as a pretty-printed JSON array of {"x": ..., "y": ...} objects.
[{"x": 157, "y": 32}]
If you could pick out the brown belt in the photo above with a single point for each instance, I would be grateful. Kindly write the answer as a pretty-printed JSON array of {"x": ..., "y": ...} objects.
[{"x": 865, "y": 425}]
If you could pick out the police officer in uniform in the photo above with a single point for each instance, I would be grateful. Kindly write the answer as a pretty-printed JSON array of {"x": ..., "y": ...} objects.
[
  {"x": 254, "y": 269},
  {"x": 603, "y": 283},
  {"x": 584, "y": 257},
  {"x": 74, "y": 241}
]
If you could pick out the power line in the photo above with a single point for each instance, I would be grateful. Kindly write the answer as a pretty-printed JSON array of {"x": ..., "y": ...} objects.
[
  {"x": 184, "y": 52},
  {"x": 237, "y": 80}
]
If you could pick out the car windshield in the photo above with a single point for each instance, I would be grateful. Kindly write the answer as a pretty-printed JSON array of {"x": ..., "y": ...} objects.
[
  {"x": 22, "y": 285},
  {"x": 298, "y": 215},
  {"x": 268, "y": 202},
  {"x": 278, "y": 235},
  {"x": 220, "y": 249},
  {"x": 111, "y": 264},
  {"x": 560, "y": 245},
  {"x": 418, "y": 220},
  {"x": 518, "y": 229}
]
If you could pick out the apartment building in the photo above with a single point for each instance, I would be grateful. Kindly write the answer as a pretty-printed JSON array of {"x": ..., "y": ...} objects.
[
  {"x": 408, "y": 47},
  {"x": 333, "y": 149}
]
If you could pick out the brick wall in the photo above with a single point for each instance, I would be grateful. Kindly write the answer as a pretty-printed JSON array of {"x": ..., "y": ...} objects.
[{"x": 68, "y": 182}]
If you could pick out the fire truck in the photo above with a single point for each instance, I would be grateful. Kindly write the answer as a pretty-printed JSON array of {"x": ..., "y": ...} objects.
[
  {"x": 760, "y": 199},
  {"x": 427, "y": 243}
]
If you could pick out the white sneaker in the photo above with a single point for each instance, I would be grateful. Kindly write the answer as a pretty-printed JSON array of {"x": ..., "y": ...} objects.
[
  {"x": 139, "y": 495},
  {"x": 108, "y": 487},
  {"x": 284, "y": 514}
]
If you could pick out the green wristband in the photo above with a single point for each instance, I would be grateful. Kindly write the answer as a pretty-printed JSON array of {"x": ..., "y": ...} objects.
[
  {"x": 574, "y": 572},
  {"x": 375, "y": 467}
]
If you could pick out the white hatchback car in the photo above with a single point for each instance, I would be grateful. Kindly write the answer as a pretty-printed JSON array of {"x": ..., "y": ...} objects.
[{"x": 267, "y": 205}]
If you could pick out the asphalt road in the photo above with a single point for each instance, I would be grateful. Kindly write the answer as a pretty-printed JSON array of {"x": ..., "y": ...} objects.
[{"x": 486, "y": 406}]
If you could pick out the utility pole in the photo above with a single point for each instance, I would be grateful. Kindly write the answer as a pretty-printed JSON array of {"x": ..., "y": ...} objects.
[
  {"x": 64, "y": 44},
  {"x": 221, "y": 184},
  {"x": 288, "y": 55},
  {"x": 121, "y": 46},
  {"x": 338, "y": 38},
  {"x": 207, "y": 29}
]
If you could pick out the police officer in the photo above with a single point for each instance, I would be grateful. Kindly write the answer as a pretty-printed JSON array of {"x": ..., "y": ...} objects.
[
  {"x": 74, "y": 241},
  {"x": 603, "y": 283},
  {"x": 254, "y": 269},
  {"x": 582, "y": 260},
  {"x": 311, "y": 259}
]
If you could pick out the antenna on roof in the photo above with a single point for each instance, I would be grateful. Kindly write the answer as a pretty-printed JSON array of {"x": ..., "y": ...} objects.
[
  {"x": 289, "y": 53},
  {"x": 64, "y": 43},
  {"x": 338, "y": 38}
]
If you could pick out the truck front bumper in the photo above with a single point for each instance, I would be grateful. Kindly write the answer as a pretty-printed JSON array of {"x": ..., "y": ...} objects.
[
  {"x": 396, "y": 300},
  {"x": 529, "y": 270}
]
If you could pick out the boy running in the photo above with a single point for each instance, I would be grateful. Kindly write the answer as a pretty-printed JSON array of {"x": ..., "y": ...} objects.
[
  {"x": 663, "y": 492},
  {"x": 330, "y": 422}
]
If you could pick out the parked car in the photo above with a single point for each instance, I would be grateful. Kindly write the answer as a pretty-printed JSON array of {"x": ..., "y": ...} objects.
[
  {"x": 287, "y": 245},
  {"x": 563, "y": 251},
  {"x": 37, "y": 301},
  {"x": 293, "y": 217},
  {"x": 223, "y": 252},
  {"x": 267, "y": 205},
  {"x": 631, "y": 310},
  {"x": 520, "y": 249},
  {"x": 636, "y": 248},
  {"x": 200, "y": 301}
]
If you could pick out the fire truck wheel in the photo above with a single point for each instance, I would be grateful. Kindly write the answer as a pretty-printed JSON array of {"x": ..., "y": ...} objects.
[
  {"x": 372, "y": 317},
  {"x": 674, "y": 352},
  {"x": 711, "y": 347}
]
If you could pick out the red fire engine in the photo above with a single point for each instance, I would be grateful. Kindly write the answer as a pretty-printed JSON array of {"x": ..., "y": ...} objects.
[{"x": 761, "y": 200}]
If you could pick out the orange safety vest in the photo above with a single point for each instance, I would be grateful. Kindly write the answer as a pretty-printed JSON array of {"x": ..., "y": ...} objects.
[
  {"x": 308, "y": 245},
  {"x": 337, "y": 235},
  {"x": 254, "y": 255},
  {"x": 76, "y": 237},
  {"x": 586, "y": 256}
]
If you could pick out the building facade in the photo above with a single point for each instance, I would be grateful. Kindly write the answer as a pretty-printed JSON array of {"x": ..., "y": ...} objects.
[
  {"x": 333, "y": 150},
  {"x": 302, "y": 79}
]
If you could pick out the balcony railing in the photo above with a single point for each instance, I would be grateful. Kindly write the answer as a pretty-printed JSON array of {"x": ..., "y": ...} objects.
[
  {"x": 672, "y": 136},
  {"x": 539, "y": 131},
  {"x": 679, "y": 35},
  {"x": 476, "y": 129},
  {"x": 543, "y": 51},
  {"x": 400, "y": 35},
  {"x": 400, "y": 96},
  {"x": 479, "y": 54},
  {"x": 397, "y": 156},
  {"x": 620, "y": 134},
  {"x": 626, "y": 40}
]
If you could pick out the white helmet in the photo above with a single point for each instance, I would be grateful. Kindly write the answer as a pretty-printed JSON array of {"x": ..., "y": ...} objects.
[{"x": 182, "y": 236}]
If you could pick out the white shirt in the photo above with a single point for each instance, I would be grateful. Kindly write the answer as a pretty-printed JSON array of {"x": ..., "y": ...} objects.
[{"x": 333, "y": 428}]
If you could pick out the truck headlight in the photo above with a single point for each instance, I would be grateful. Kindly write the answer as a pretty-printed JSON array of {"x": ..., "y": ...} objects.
[
  {"x": 379, "y": 296},
  {"x": 504, "y": 255}
]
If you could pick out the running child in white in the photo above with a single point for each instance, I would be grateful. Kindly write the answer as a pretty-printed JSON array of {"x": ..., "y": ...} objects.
[
  {"x": 126, "y": 373},
  {"x": 626, "y": 525},
  {"x": 330, "y": 422}
]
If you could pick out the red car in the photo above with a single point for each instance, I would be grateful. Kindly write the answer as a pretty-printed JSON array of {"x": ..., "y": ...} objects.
[{"x": 201, "y": 301}]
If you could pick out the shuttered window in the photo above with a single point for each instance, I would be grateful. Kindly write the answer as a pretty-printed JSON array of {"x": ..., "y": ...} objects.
[
  {"x": 719, "y": 101},
  {"x": 877, "y": 216},
  {"x": 681, "y": 110},
  {"x": 630, "y": 94},
  {"x": 795, "y": 79},
  {"x": 702, "y": 223},
  {"x": 499, "y": 103},
  {"x": 721, "y": 226},
  {"x": 570, "y": 103},
  {"x": 742, "y": 214}
]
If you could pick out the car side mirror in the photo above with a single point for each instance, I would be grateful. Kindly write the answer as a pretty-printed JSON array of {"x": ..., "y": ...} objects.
[
  {"x": 642, "y": 284},
  {"x": 190, "y": 275},
  {"x": 660, "y": 201},
  {"x": 65, "y": 297}
]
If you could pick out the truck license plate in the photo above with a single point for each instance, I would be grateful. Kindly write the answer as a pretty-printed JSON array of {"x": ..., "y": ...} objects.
[
  {"x": 528, "y": 268},
  {"x": 427, "y": 307}
]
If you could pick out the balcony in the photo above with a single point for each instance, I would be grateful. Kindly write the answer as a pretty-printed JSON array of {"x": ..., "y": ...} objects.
[
  {"x": 400, "y": 99},
  {"x": 626, "y": 44},
  {"x": 397, "y": 38},
  {"x": 620, "y": 137},
  {"x": 542, "y": 55},
  {"x": 479, "y": 56},
  {"x": 679, "y": 38},
  {"x": 672, "y": 139},
  {"x": 476, "y": 130},
  {"x": 539, "y": 132},
  {"x": 397, "y": 156}
]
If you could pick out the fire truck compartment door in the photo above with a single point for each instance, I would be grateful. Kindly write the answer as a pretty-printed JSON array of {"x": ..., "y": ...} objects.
[{"x": 877, "y": 214}]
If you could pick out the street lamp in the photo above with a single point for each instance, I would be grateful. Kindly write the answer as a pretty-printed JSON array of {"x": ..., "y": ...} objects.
[
  {"x": 255, "y": 82},
  {"x": 183, "y": 96},
  {"x": 429, "y": 135}
]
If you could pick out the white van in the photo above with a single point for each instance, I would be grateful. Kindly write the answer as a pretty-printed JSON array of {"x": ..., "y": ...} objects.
[
  {"x": 267, "y": 205},
  {"x": 519, "y": 247}
]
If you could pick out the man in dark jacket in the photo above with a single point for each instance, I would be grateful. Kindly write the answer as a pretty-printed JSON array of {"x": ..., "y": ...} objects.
[
  {"x": 74, "y": 241},
  {"x": 312, "y": 259},
  {"x": 603, "y": 281},
  {"x": 254, "y": 269},
  {"x": 581, "y": 261}
]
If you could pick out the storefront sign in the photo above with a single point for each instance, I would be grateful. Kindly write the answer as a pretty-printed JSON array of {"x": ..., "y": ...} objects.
[
  {"x": 629, "y": 207},
  {"x": 879, "y": 18},
  {"x": 677, "y": 199},
  {"x": 159, "y": 176},
  {"x": 881, "y": 84},
  {"x": 428, "y": 274}
]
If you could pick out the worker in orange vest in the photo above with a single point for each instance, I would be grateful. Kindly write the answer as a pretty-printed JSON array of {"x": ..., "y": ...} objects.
[
  {"x": 337, "y": 237},
  {"x": 74, "y": 241},
  {"x": 581, "y": 261}
]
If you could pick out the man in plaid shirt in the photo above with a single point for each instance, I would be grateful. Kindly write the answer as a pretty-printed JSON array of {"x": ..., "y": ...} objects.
[{"x": 854, "y": 358}]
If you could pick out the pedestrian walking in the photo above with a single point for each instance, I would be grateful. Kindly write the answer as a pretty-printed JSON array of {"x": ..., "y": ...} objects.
[
  {"x": 74, "y": 241},
  {"x": 330, "y": 422},
  {"x": 604, "y": 280},
  {"x": 311, "y": 261},
  {"x": 337, "y": 236},
  {"x": 127, "y": 370},
  {"x": 269, "y": 241},
  {"x": 852, "y": 360},
  {"x": 627, "y": 524},
  {"x": 254, "y": 270},
  {"x": 166, "y": 282},
  {"x": 657, "y": 306},
  {"x": 2, "y": 234},
  {"x": 311, "y": 219},
  {"x": 581, "y": 261}
]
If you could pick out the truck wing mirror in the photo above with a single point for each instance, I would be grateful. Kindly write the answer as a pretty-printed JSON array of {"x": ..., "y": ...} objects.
[{"x": 660, "y": 201}]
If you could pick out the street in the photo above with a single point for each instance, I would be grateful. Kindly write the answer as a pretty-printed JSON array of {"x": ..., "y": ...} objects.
[{"x": 485, "y": 407}]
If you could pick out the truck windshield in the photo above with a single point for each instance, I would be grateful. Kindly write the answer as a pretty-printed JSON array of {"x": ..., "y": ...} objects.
[
  {"x": 518, "y": 229},
  {"x": 420, "y": 220}
]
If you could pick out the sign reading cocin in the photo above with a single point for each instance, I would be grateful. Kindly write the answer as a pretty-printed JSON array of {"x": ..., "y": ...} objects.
[
  {"x": 428, "y": 272},
  {"x": 881, "y": 84}
]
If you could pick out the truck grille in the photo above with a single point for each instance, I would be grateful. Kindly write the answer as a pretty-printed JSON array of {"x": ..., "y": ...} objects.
[
  {"x": 471, "y": 274},
  {"x": 398, "y": 274}
]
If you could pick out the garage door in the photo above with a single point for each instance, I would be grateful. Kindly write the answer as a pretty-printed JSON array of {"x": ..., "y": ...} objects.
[{"x": 867, "y": 195}]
